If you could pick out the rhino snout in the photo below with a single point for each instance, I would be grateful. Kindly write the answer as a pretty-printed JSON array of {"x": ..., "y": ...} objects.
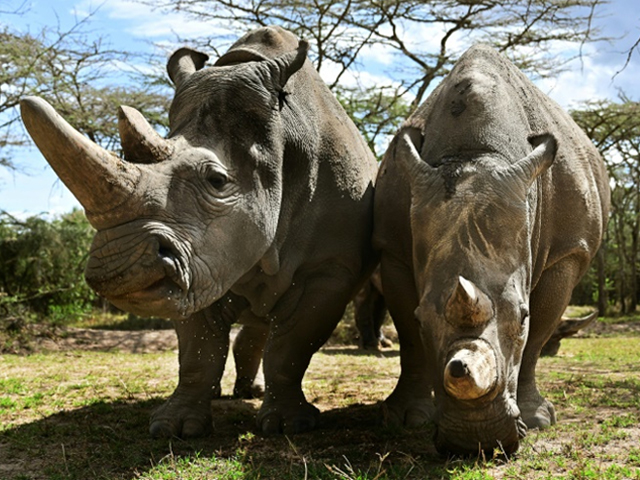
[
  {"x": 126, "y": 265},
  {"x": 471, "y": 371}
]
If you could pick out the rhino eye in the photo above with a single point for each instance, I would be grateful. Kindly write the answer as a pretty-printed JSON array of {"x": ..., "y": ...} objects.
[{"x": 217, "y": 180}]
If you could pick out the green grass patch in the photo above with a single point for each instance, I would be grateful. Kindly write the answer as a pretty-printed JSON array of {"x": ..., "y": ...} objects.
[{"x": 81, "y": 414}]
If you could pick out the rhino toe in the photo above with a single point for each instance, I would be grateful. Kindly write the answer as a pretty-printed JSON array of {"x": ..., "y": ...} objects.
[
  {"x": 163, "y": 429},
  {"x": 302, "y": 419},
  {"x": 538, "y": 414}
]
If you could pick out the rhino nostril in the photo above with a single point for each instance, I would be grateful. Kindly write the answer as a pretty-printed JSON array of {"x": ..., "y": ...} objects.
[{"x": 458, "y": 368}]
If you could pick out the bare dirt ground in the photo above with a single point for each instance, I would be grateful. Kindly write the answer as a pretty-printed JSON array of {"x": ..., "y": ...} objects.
[
  {"x": 148, "y": 341},
  {"x": 134, "y": 341}
]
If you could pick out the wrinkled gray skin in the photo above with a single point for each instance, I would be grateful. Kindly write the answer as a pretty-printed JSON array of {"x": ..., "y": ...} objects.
[
  {"x": 257, "y": 208},
  {"x": 490, "y": 204}
]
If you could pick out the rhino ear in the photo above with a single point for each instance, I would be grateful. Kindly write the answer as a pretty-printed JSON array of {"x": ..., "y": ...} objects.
[
  {"x": 406, "y": 148},
  {"x": 545, "y": 147},
  {"x": 284, "y": 66},
  {"x": 183, "y": 63}
]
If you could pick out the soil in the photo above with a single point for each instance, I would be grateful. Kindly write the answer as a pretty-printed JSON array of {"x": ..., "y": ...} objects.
[{"x": 148, "y": 341}]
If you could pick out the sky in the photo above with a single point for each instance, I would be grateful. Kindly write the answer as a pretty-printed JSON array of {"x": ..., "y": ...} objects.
[{"x": 34, "y": 189}]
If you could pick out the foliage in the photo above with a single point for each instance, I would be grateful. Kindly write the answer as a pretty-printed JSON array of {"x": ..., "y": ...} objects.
[
  {"x": 81, "y": 76},
  {"x": 413, "y": 42},
  {"x": 614, "y": 127},
  {"x": 376, "y": 111},
  {"x": 42, "y": 264}
]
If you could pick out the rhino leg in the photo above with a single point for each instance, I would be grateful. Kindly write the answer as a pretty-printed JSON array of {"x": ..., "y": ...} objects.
[
  {"x": 203, "y": 343},
  {"x": 547, "y": 304},
  {"x": 370, "y": 310},
  {"x": 292, "y": 342},
  {"x": 248, "y": 347},
  {"x": 410, "y": 404}
]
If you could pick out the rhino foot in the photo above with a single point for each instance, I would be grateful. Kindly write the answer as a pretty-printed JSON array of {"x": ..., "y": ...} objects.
[
  {"x": 409, "y": 414},
  {"x": 248, "y": 390},
  {"x": 181, "y": 419},
  {"x": 288, "y": 419},
  {"x": 538, "y": 412}
]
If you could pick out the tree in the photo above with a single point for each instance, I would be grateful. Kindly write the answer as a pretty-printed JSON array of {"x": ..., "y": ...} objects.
[
  {"x": 423, "y": 37},
  {"x": 42, "y": 266},
  {"x": 82, "y": 78},
  {"x": 615, "y": 130}
]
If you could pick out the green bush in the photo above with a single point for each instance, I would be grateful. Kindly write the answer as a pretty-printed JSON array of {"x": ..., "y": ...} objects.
[{"x": 42, "y": 267}]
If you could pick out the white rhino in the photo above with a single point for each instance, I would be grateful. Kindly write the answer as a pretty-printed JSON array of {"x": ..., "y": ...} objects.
[
  {"x": 490, "y": 204},
  {"x": 257, "y": 208}
]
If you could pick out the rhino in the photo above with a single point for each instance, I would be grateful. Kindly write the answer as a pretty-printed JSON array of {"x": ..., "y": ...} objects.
[
  {"x": 256, "y": 208},
  {"x": 490, "y": 204}
]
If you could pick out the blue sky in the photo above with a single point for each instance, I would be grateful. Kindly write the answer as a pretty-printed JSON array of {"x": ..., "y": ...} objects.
[{"x": 35, "y": 189}]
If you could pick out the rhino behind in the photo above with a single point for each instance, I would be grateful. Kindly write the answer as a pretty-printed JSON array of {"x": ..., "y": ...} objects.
[
  {"x": 257, "y": 208},
  {"x": 490, "y": 204}
]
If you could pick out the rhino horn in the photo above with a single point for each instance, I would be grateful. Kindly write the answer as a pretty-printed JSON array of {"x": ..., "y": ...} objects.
[
  {"x": 468, "y": 306},
  {"x": 97, "y": 177},
  {"x": 471, "y": 371},
  {"x": 140, "y": 142},
  {"x": 183, "y": 63},
  {"x": 544, "y": 152},
  {"x": 283, "y": 66}
]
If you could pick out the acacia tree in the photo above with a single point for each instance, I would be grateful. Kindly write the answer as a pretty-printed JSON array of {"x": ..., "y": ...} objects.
[
  {"x": 615, "y": 130},
  {"x": 423, "y": 37},
  {"x": 81, "y": 77}
]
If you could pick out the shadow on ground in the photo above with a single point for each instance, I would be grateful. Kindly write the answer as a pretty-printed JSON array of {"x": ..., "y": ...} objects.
[{"x": 110, "y": 440}]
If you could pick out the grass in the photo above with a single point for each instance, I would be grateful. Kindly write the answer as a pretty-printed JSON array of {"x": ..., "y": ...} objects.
[{"x": 84, "y": 415}]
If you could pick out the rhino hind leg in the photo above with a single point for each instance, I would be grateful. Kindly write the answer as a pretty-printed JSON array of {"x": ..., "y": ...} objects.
[
  {"x": 370, "y": 312},
  {"x": 248, "y": 348},
  {"x": 292, "y": 342},
  {"x": 203, "y": 343},
  {"x": 410, "y": 404},
  {"x": 547, "y": 304}
]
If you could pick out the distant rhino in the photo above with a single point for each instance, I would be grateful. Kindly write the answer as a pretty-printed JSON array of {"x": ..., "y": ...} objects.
[
  {"x": 490, "y": 204},
  {"x": 257, "y": 208}
]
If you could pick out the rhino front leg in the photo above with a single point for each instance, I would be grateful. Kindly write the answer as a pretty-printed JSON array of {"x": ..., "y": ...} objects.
[
  {"x": 548, "y": 301},
  {"x": 292, "y": 342},
  {"x": 248, "y": 348},
  {"x": 203, "y": 343},
  {"x": 410, "y": 403}
]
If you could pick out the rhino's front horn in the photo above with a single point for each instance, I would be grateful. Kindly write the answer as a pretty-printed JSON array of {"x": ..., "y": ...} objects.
[
  {"x": 97, "y": 177},
  {"x": 471, "y": 371},
  {"x": 140, "y": 142},
  {"x": 468, "y": 306}
]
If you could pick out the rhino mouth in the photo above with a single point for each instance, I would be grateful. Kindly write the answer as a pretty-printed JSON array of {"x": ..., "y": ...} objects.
[
  {"x": 144, "y": 274},
  {"x": 480, "y": 432}
]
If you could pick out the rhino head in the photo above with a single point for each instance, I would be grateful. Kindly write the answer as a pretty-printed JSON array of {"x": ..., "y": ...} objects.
[
  {"x": 180, "y": 219},
  {"x": 471, "y": 228}
]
